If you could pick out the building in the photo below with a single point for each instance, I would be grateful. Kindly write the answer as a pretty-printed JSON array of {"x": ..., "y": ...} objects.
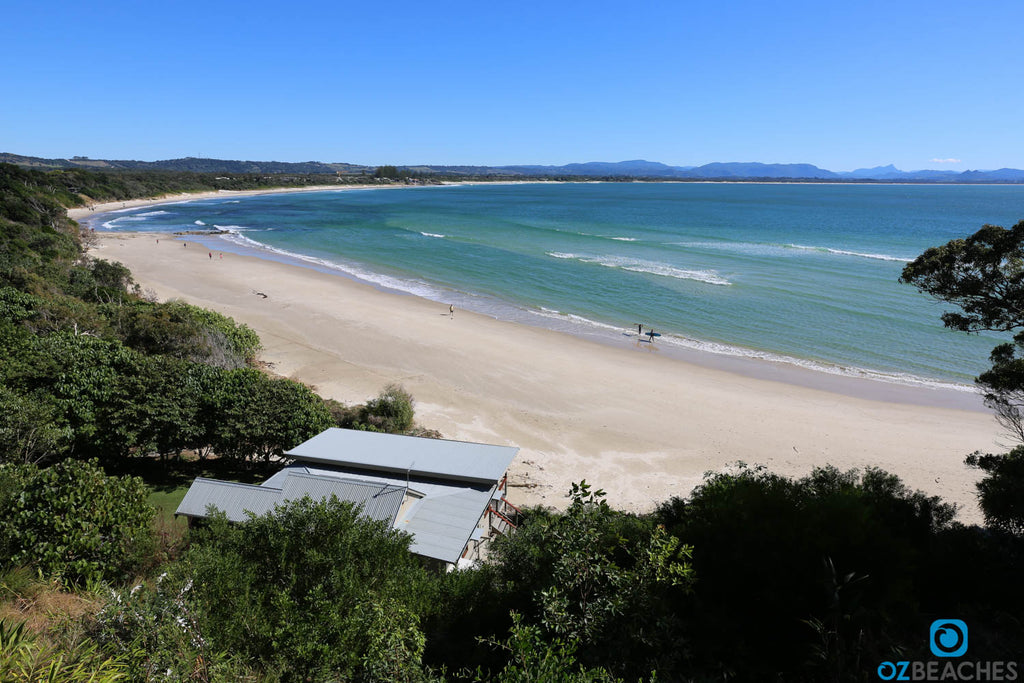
[{"x": 449, "y": 495}]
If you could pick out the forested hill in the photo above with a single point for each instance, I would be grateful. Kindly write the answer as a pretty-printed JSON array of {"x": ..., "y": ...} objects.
[
  {"x": 636, "y": 169},
  {"x": 187, "y": 164},
  {"x": 69, "y": 187}
]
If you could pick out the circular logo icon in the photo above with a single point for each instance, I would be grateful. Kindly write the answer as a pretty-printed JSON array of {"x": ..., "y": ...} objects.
[{"x": 948, "y": 638}]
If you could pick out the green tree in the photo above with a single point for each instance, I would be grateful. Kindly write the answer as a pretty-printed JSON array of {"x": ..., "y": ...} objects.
[
  {"x": 1000, "y": 493},
  {"x": 984, "y": 276},
  {"x": 847, "y": 551},
  {"x": 314, "y": 589},
  {"x": 73, "y": 521},
  {"x": 31, "y": 431},
  {"x": 183, "y": 331},
  {"x": 94, "y": 386},
  {"x": 391, "y": 411},
  {"x": 259, "y": 417},
  {"x": 599, "y": 581}
]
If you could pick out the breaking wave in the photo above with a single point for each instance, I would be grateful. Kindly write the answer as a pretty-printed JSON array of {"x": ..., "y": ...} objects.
[
  {"x": 844, "y": 252},
  {"x": 651, "y": 267}
]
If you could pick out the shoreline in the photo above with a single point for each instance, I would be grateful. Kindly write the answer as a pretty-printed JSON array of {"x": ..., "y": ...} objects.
[
  {"x": 855, "y": 383},
  {"x": 641, "y": 426},
  {"x": 83, "y": 212},
  {"x": 850, "y": 381}
]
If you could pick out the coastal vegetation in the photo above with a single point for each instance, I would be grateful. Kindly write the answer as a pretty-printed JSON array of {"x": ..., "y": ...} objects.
[
  {"x": 983, "y": 275},
  {"x": 108, "y": 398}
]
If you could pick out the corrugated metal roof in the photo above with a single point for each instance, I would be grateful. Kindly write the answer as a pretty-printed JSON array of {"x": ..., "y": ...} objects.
[
  {"x": 453, "y": 480},
  {"x": 441, "y": 526},
  {"x": 441, "y": 522},
  {"x": 458, "y": 460},
  {"x": 379, "y": 501},
  {"x": 232, "y": 499}
]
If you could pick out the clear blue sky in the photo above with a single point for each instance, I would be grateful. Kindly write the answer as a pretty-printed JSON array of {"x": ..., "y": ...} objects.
[{"x": 841, "y": 85}]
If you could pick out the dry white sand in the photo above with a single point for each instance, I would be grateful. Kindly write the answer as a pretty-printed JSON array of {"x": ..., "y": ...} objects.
[{"x": 639, "y": 425}]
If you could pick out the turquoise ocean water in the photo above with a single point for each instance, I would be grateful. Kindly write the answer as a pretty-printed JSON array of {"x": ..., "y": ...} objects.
[{"x": 803, "y": 274}]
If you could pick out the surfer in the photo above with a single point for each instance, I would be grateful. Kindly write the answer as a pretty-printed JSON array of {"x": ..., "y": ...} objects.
[{"x": 652, "y": 334}]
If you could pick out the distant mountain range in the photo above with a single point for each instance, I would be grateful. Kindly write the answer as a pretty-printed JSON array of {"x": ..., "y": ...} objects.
[{"x": 593, "y": 169}]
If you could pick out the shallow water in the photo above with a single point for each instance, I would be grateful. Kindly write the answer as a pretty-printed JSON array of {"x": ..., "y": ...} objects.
[{"x": 800, "y": 274}]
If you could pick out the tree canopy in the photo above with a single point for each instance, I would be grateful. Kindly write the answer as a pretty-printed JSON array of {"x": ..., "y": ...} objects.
[{"x": 983, "y": 275}]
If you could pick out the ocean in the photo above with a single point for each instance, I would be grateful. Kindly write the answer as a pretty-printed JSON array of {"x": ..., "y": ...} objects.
[{"x": 800, "y": 274}]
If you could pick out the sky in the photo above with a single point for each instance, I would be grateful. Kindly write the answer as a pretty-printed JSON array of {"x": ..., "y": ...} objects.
[{"x": 841, "y": 85}]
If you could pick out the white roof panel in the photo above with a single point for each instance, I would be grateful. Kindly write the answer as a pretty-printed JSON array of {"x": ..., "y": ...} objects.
[
  {"x": 457, "y": 460},
  {"x": 442, "y": 522}
]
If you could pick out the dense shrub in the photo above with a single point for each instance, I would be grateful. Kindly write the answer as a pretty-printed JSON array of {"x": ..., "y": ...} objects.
[
  {"x": 73, "y": 521},
  {"x": 392, "y": 411},
  {"x": 804, "y": 577},
  {"x": 999, "y": 493},
  {"x": 187, "y": 332},
  {"x": 600, "y": 581},
  {"x": 314, "y": 589}
]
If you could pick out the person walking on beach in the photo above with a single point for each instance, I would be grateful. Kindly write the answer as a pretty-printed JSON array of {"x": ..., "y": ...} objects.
[
  {"x": 210, "y": 254},
  {"x": 451, "y": 310}
]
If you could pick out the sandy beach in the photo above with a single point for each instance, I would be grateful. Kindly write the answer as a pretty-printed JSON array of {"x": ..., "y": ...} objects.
[{"x": 641, "y": 426}]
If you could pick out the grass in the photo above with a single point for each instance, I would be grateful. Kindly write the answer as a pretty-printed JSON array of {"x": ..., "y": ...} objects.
[
  {"x": 170, "y": 479},
  {"x": 166, "y": 502}
]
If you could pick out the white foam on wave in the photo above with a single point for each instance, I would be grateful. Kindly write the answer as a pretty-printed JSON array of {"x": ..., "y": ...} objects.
[
  {"x": 766, "y": 249},
  {"x": 710, "y": 277},
  {"x": 844, "y": 252},
  {"x": 577, "y": 324},
  {"x": 816, "y": 366},
  {"x": 552, "y": 314},
  {"x": 199, "y": 223},
  {"x": 239, "y": 228},
  {"x": 432, "y": 234},
  {"x": 154, "y": 213},
  {"x": 624, "y": 239},
  {"x": 415, "y": 287},
  {"x": 571, "y": 322},
  {"x": 746, "y": 248},
  {"x": 117, "y": 223}
]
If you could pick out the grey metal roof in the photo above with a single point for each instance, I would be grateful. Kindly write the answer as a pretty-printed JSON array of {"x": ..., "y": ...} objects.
[
  {"x": 379, "y": 501},
  {"x": 442, "y": 525},
  {"x": 441, "y": 522},
  {"x": 457, "y": 460},
  {"x": 452, "y": 482},
  {"x": 232, "y": 499}
]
